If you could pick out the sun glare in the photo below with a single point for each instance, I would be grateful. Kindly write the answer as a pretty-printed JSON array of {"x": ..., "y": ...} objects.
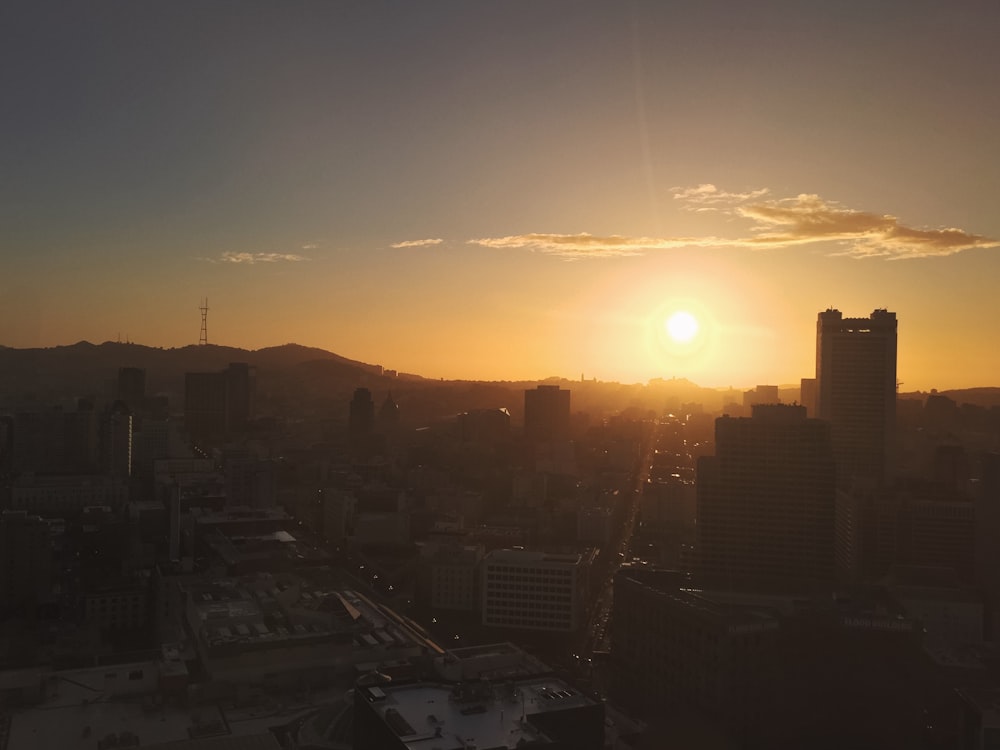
[{"x": 682, "y": 326}]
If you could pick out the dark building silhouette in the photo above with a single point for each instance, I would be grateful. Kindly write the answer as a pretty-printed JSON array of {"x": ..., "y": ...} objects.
[
  {"x": 206, "y": 404},
  {"x": 484, "y": 425},
  {"x": 241, "y": 387},
  {"x": 388, "y": 415},
  {"x": 26, "y": 566},
  {"x": 132, "y": 386},
  {"x": 116, "y": 440},
  {"x": 856, "y": 392},
  {"x": 6, "y": 445},
  {"x": 217, "y": 404},
  {"x": 55, "y": 441},
  {"x": 546, "y": 413},
  {"x": 361, "y": 417},
  {"x": 673, "y": 645},
  {"x": 987, "y": 531},
  {"x": 765, "y": 501},
  {"x": 807, "y": 395}
]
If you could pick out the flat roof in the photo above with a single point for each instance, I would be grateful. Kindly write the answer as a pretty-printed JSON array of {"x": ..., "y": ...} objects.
[
  {"x": 522, "y": 556},
  {"x": 490, "y": 718}
]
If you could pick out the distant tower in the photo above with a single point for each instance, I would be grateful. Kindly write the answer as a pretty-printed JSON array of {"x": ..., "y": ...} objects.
[
  {"x": 546, "y": 413},
  {"x": 361, "y": 419},
  {"x": 132, "y": 386},
  {"x": 388, "y": 415},
  {"x": 203, "y": 338},
  {"x": 856, "y": 391}
]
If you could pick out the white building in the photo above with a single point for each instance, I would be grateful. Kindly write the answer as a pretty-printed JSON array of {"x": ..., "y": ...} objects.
[{"x": 533, "y": 590}]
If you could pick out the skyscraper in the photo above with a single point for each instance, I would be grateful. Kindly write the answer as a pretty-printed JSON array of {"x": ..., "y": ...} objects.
[
  {"x": 361, "y": 416},
  {"x": 856, "y": 392},
  {"x": 766, "y": 499},
  {"x": 546, "y": 413}
]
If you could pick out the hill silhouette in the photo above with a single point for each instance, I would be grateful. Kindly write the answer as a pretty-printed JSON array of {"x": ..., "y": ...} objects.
[
  {"x": 298, "y": 380},
  {"x": 90, "y": 370}
]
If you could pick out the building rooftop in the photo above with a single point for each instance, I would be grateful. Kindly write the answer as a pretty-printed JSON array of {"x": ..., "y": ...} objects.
[
  {"x": 477, "y": 714},
  {"x": 521, "y": 556}
]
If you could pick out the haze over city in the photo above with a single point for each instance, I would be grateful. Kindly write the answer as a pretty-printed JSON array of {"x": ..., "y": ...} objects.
[{"x": 505, "y": 191}]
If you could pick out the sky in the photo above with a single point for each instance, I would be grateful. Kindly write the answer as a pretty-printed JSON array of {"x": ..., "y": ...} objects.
[{"x": 509, "y": 190}]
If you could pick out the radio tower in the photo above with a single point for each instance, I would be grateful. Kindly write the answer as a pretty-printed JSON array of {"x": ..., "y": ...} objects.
[{"x": 203, "y": 338}]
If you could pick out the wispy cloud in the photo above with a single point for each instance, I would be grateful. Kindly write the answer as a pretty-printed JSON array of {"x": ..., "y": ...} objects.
[
  {"x": 772, "y": 223},
  {"x": 252, "y": 258},
  {"x": 583, "y": 245},
  {"x": 416, "y": 243},
  {"x": 310, "y": 246},
  {"x": 808, "y": 219},
  {"x": 707, "y": 197}
]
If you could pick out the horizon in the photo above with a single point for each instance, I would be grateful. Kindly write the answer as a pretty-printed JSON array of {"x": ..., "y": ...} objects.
[
  {"x": 473, "y": 192},
  {"x": 783, "y": 385}
]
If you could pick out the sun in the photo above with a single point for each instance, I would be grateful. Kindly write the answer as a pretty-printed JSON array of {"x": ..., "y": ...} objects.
[{"x": 682, "y": 326}]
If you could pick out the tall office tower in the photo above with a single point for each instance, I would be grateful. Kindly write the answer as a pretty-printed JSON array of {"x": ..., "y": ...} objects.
[
  {"x": 987, "y": 503},
  {"x": 241, "y": 385},
  {"x": 388, "y": 415},
  {"x": 116, "y": 440},
  {"x": 856, "y": 392},
  {"x": 206, "y": 404},
  {"x": 807, "y": 395},
  {"x": 219, "y": 403},
  {"x": 26, "y": 563},
  {"x": 765, "y": 501},
  {"x": 132, "y": 386},
  {"x": 546, "y": 413},
  {"x": 361, "y": 419}
]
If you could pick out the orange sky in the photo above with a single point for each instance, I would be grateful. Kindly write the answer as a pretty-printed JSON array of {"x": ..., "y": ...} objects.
[{"x": 507, "y": 192}]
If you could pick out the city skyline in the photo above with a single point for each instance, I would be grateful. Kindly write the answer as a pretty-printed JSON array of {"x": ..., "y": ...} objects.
[{"x": 512, "y": 192}]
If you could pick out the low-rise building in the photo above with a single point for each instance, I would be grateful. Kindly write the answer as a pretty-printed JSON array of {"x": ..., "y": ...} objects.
[{"x": 538, "y": 713}]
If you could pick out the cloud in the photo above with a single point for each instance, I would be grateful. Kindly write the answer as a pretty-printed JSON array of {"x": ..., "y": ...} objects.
[
  {"x": 416, "y": 243},
  {"x": 808, "y": 219},
  {"x": 310, "y": 246},
  {"x": 707, "y": 197},
  {"x": 583, "y": 245},
  {"x": 773, "y": 223},
  {"x": 253, "y": 258}
]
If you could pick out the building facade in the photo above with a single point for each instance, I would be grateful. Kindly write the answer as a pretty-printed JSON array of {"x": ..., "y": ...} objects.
[
  {"x": 546, "y": 413},
  {"x": 766, "y": 500},
  {"x": 856, "y": 392},
  {"x": 533, "y": 590}
]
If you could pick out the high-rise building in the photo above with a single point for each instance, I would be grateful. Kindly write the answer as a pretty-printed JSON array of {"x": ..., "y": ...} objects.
[
  {"x": 673, "y": 643},
  {"x": 219, "y": 403},
  {"x": 206, "y": 404},
  {"x": 546, "y": 413},
  {"x": 807, "y": 395},
  {"x": 361, "y": 418},
  {"x": 765, "y": 501},
  {"x": 241, "y": 381},
  {"x": 116, "y": 440},
  {"x": 132, "y": 386},
  {"x": 856, "y": 392},
  {"x": 26, "y": 565}
]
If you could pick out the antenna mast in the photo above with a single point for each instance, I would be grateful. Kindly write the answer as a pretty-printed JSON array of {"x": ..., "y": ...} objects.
[{"x": 203, "y": 338}]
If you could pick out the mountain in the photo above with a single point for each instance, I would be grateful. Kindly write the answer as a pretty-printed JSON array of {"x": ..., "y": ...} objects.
[{"x": 91, "y": 370}]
